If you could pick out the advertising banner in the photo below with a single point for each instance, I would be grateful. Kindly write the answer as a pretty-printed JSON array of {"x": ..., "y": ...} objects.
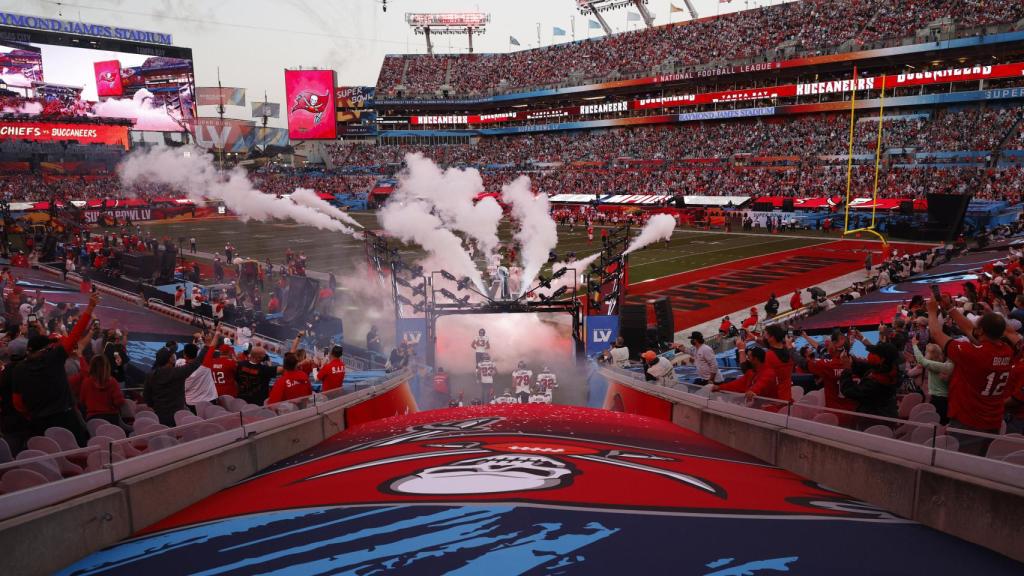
[
  {"x": 601, "y": 333},
  {"x": 55, "y": 132},
  {"x": 110, "y": 216},
  {"x": 414, "y": 332},
  {"x": 474, "y": 19},
  {"x": 215, "y": 96},
  {"x": 228, "y": 134},
  {"x": 268, "y": 109},
  {"x": 368, "y": 129},
  {"x": 802, "y": 203},
  {"x": 311, "y": 107},
  {"x": 354, "y": 96},
  {"x": 154, "y": 92},
  {"x": 271, "y": 137},
  {"x": 357, "y": 116},
  {"x": 108, "y": 78}
]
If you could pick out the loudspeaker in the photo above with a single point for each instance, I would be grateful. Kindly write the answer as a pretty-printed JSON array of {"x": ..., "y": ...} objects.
[
  {"x": 787, "y": 205},
  {"x": 167, "y": 263},
  {"x": 946, "y": 214},
  {"x": 665, "y": 319},
  {"x": 139, "y": 266},
  {"x": 633, "y": 327},
  {"x": 907, "y": 207}
]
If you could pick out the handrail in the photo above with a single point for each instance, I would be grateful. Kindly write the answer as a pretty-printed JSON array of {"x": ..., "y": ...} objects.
[
  {"x": 236, "y": 428},
  {"x": 928, "y": 454}
]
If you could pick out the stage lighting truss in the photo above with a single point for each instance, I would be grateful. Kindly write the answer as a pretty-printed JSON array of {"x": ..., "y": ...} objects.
[
  {"x": 444, "y": 302},
  {"x": 589, "y": 7},
  {"x": 555, "y": 296},
  {"x": 607, "y": 278},
  {"x": 405, "y": 277},
  {"x": 463, "y": 284}
]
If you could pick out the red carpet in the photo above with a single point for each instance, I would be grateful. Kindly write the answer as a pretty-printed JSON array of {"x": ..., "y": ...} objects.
[{"x": 706, "y": 294}]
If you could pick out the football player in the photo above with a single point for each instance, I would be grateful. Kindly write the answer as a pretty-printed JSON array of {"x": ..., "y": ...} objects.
[
  {"x": 485, "y": 371},
  {"x": 521, "y": 380},
  {"x": 546, "y": 381},
  {"x": 481, "y": 345}
]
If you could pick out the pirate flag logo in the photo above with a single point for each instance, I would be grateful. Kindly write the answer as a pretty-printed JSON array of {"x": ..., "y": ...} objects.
[
  {"x": 108, "y": 78},
  {"x": 309, "y": 101}
]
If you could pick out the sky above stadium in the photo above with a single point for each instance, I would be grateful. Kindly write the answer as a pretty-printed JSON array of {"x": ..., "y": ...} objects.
[{"x": 253, "y": 41}]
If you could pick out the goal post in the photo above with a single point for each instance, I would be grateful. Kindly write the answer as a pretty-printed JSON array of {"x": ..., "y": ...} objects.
[{"x": 871, "y": 228}]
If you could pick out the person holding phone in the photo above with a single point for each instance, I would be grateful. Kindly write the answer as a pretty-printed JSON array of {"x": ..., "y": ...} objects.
[{"x": 40, "y": 383}]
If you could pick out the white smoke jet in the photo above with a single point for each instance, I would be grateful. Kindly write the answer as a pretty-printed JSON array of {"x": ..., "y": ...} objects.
[
  {"x": 141, "y": 108},
  {"x": 413, "y": 221},
  {"x": 452, "y": 193},
  {"x": 537, "y": 234},
  {"x": 579, "y": 266},
  {"x": 659, "y": 227},
  {"x": 30, "y": 108},
  {"x": 192, "y": 171},
  {"x": 309, "y": 198},
  {"x": 16, "y": 80}
]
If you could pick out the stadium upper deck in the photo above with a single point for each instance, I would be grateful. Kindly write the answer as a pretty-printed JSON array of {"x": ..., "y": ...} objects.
[{"x": 760, "y": 39}]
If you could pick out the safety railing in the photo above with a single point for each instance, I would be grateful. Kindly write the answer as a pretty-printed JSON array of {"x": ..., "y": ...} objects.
[
  {"x": 106, "y": 461},
  {"x": 993, "y": 457}
]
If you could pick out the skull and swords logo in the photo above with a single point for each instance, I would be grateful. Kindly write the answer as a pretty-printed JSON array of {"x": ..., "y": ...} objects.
[
  {"x": 311, "y": 102},
  {"x": 502, "y": 467},
  {"x": 108, "y": 78}
]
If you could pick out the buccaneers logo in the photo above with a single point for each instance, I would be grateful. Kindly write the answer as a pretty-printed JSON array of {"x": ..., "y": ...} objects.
[
  {"x": 311, "y": 102},
  {"x": 108, "y": 77}
]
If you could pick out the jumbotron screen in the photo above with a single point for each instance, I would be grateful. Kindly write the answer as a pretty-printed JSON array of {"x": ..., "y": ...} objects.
[{"x": 53, "y": 82}]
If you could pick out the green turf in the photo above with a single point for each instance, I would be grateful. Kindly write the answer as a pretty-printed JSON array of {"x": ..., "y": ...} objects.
[{"x": 334, "y": 252}]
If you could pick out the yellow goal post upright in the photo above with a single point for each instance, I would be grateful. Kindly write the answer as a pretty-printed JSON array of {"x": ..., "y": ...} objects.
[{"x": 870, "y": 229}]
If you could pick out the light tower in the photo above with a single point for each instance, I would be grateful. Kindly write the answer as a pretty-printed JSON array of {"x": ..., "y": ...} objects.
[
  {"x": 456, "y": 23},
  {"x": 596, "y": 8}
]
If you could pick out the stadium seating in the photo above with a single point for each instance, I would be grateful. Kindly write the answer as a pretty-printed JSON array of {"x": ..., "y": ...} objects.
[
  {"x": 783, "y": 31},
  {"x": 799, "y": 156}
]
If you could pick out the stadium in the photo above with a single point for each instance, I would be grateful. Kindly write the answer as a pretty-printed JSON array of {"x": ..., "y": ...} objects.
[{"x": 692, "y": 287}]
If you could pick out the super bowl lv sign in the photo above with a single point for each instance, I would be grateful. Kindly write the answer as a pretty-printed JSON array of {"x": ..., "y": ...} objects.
[
  {"x": 311, "y": 104},
  {"x": 223, "y": 134},
  {"x": 354, "y": 96},
  {"x": 531, "y": 489}
]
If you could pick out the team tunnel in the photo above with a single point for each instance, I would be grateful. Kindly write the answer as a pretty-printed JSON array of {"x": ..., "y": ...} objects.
[
  {"x": 614, "y": 472},
  {"x": 656, "y": 480}
]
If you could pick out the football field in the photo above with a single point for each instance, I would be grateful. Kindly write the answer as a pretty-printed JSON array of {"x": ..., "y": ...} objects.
[{"x": 342, "y": 255}]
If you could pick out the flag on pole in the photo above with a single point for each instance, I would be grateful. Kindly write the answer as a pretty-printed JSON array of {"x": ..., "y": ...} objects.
[
  {"x": 633, "y": 17},
  {"x": 593, "y": 24},
  {"x": 556, "y": 31},
  {"x": 674, "y": 8},
  {"x": 512, "y": 40}
]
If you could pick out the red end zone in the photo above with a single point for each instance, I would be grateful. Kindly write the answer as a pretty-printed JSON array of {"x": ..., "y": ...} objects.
[{"x": 706, "y": 294}]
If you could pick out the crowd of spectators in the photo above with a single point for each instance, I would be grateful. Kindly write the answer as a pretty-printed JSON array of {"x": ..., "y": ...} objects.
[
  {"x": 802, "y": 156},
  {"x": 961, "y": 352},
  {"x": 286, "y": 183},
  {"x": 29, "y": 187},
  {"x": 45, "y": 188},
  {"x": 806, "y": 136},
  {"x": 810, "y": 27},
  {"x": 64, "y": 366}
]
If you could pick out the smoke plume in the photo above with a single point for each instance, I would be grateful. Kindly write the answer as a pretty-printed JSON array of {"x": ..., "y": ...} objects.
[
  {"x": 30, "y": 108},
  {"x": 192, "y": 171},
  {"x": 309, "y": 198},
  {"x": 452, "y": 193},
  {"x": 141, "y": 108},
  {"x": 537, "y": 235},
  {"x": 413, "y": 221},
  {"x": 659, "y": 227}
]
